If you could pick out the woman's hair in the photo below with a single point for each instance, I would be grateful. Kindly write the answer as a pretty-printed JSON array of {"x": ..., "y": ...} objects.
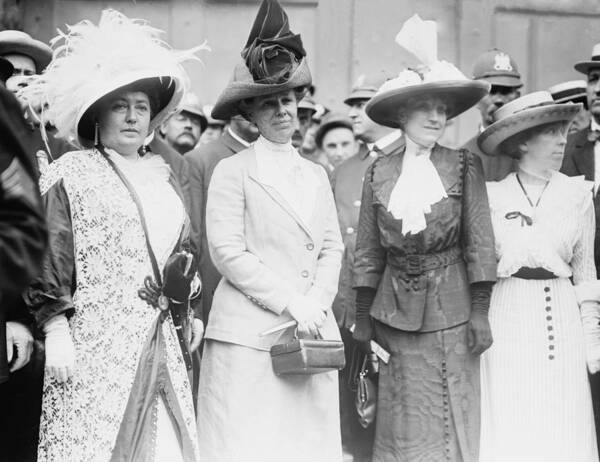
[
  {"x": 245, "y": 104},
  {"x": 413, "y": 103},
  {"x": 512, "y": 145},
  {"x": 147, "y": 86}
]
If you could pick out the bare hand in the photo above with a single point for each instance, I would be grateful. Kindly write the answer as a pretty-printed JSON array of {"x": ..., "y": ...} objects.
[
  {"x": 18, "y": 336},
  {"x": 197, "y": 334},
  {"x": 479, "y": 334}
]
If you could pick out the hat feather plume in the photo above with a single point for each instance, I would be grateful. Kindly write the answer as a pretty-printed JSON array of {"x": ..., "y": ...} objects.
[
  {"x": 86, "y": 55},
  {"x": 419, "y": 38}
]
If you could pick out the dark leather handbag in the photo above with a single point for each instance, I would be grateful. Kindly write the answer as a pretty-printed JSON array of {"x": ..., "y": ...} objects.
[
  {"x": 366, "y": 393},
  {"x": 308, "y": 356}
]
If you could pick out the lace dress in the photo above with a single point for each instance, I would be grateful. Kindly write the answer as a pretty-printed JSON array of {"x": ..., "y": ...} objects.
[
  {"x": 97, "y": 247},
  {"x": 536, "y": 403}
]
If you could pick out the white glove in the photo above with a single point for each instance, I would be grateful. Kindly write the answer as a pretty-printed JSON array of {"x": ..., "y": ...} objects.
[
  {"x": 18, "y": 336},
  {"x": 308, "y": 313},
  {"x": 60, "y": 351},
  {"x": 590, "y": 318},
  {"x": 197, "y": 333}
]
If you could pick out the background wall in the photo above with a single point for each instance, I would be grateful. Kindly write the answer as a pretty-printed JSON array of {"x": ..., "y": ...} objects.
[{"x": 346, "y": 38}]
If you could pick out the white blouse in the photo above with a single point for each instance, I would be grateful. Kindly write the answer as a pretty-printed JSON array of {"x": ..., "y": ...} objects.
[
  {"x": 280, "y": 166},
  {"x": 560, "y": 238}
]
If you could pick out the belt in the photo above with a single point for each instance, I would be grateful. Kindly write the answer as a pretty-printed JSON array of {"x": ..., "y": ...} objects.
[
  {"x": 417, "y": 264},
  {"x": 534, "y": 273}
]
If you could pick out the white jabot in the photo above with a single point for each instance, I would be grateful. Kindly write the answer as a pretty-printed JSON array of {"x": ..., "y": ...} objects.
[
  {"x": 280, "y": 166},
  {"x": 596, "y": 127},
  {"x": 238, "y": 138},
  {"x": 416, "y": 190}
]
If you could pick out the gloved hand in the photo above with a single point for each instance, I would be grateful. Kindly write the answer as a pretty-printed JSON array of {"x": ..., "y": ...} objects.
[
  {"x": 60, "y": 351},
  {"x": 590, "y": 319},
  {"x": 363, "y": 327},
  {"x": 18, "y": 337},
  {"x": 197, "y": 333},
  {"x": 176, "y": 281},
  {"x": 479, "y": 334},
  {"x": 308, "y": 314}
]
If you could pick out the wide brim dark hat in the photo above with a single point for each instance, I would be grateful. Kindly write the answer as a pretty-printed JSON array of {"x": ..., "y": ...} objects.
[
  {"x": 242, "y": 86},
  {"x": 528, "y": 111},
  {"x": 459, "y": 96},
  {"x": 18, "y": 42},
  {"x": 6, "y": 69}
]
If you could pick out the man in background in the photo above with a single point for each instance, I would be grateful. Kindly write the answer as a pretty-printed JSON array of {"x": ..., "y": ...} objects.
[{"x": 183, "y": 129}]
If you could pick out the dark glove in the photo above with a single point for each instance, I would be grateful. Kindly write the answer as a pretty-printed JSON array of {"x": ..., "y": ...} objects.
[
  {"x": 176, "y": 281},
  {"x": 479, "y": 335},
  {"x": 363, "y": 328}
]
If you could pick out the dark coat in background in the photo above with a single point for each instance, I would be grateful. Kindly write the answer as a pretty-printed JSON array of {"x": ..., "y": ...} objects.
[
  {"x": 202, "y": 161},
  {"x": 176, "y": 162},
  {"x": 495, "y": 168},
  {"x": 23, "y": 238}
]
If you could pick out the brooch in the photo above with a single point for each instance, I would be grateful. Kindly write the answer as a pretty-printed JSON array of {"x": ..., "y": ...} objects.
[{"x": 525, "y": 219}]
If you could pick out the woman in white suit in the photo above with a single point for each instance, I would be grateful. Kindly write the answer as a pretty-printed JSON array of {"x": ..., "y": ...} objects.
[{"x": 273, "y": 235}]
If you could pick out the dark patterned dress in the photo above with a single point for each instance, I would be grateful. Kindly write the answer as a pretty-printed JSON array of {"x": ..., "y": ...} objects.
[{"x": 428, "y": 404}]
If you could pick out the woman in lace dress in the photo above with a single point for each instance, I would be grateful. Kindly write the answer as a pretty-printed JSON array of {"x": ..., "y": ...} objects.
[
  {"x": 116, "y": 386},
  {"x": 536, "y": 403}
]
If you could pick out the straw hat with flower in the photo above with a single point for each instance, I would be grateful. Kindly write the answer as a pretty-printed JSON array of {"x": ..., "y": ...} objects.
[{"x": 432, "y": 77}]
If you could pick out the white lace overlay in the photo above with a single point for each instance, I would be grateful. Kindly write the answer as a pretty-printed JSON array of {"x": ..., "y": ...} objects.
[
  {"x": 561, "y": 236},
  {"x": 80, "y": 420}
]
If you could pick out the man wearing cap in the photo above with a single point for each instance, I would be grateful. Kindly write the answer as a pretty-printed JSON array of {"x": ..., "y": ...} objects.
[
  {"x": 29, "y": 57},
  {"x": 582, "y": 157},
  {"x": 347, "y": 184},
  {"x": 201, "y": 163},
  {"x": 574, "y": 91},
  {"x": 498, "y": 68},
  {"x": 214, "y": 127},
  {"x": 336, "y": 140},
  {"x": 183, "y": 129},
  {"x": 306, "y": 109}
]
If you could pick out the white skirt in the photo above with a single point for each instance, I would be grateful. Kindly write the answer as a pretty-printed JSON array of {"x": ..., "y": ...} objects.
[
  {"x": 535, "y": 395},
  {"x": 247, "y": 413}
]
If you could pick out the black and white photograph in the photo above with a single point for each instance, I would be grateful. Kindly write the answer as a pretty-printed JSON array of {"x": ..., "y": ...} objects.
[{"x": 299, "y": 230}]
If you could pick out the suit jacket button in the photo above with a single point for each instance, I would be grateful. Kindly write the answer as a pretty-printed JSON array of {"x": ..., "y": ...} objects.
[
  {"x": 349, "y": 230},
  {"x": 310, "y": 246},
  {"x": 304, "y": 274}
]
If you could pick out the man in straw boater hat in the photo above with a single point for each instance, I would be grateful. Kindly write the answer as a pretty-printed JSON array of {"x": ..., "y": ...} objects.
[
  {"x": 574, "y": 91},
  {"x": 582, "y": 157},
  {"x": 425, "y": 263},
  {"x": 112, "y": 296},
  {"x": 500, "y": 70},
  {"x": 545, "y": 309}
]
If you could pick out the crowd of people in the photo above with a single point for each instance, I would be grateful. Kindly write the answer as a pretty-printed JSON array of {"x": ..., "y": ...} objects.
[{"x": 157, "y": 254}]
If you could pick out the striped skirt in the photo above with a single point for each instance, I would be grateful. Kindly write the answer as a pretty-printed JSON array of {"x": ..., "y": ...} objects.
[{"x": 536, "y": 403}]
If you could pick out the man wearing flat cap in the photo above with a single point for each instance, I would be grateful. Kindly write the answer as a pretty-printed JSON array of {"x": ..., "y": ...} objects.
[
  {"x": 28, "y": 57},
  {"x": 500, "y": 69},
  {"x": 347, "y": 181},
  {"x": 582, "y": 157},
  {"x": 335, "y": 139},
  {"x": 183, "y": 129}
]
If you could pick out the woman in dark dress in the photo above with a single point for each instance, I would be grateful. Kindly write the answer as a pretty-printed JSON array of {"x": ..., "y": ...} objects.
[{"x": 424, "y": 269}]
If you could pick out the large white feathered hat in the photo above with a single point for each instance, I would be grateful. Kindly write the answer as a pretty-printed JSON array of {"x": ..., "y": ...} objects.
[
  {"x": 433, "y": 77},
  {"x": 91, "y": 61}
]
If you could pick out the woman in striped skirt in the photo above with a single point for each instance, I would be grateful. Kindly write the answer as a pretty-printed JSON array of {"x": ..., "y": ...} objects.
[{"x": 536, "y": 403}]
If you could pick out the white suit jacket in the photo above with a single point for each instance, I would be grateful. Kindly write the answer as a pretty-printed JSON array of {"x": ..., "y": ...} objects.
[{"x": 267, "y": 254}]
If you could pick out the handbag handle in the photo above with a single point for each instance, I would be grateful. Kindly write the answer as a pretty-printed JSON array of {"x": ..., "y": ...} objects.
[{"x": 317, "y": 337}]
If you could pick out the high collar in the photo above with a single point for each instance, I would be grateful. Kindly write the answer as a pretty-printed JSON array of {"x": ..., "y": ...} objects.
[{"x": 271, "y": 147}]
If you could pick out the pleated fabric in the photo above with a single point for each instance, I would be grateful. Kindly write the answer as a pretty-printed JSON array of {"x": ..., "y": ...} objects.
[{"x": 535, "y": 395}]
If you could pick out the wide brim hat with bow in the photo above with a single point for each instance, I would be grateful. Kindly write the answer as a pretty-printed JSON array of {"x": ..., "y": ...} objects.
[
  {"x": 528, "y": 111},
  {"x": 18, "y": 42},
  {"x": 273, "y": 61},
  {"x": 93, "y": 61},
  {"x": 431, "y": 78}
]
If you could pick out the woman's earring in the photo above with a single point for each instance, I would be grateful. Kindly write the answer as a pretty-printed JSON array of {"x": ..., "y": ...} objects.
[{"x": 96, "y": 135}]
